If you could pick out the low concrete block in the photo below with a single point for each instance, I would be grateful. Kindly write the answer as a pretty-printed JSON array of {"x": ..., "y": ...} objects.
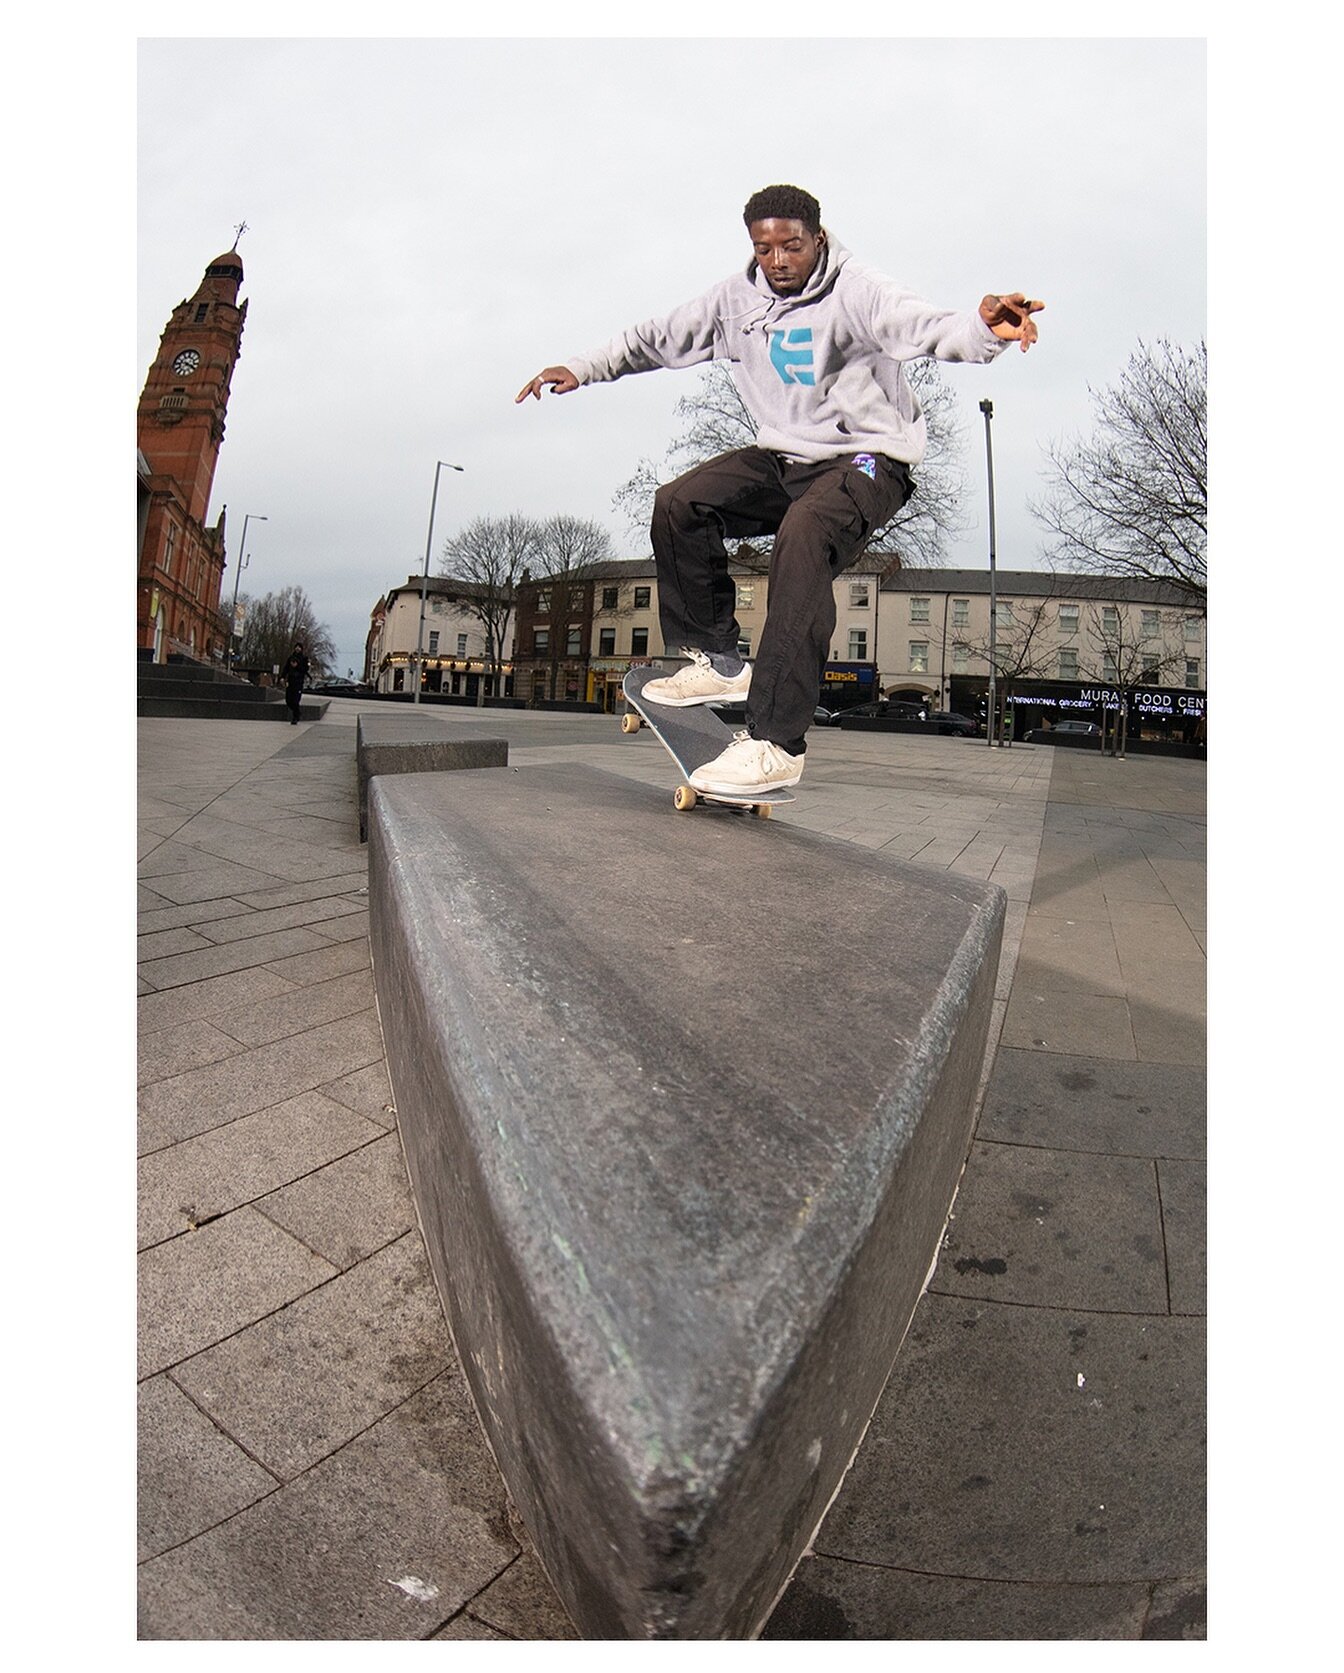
[
  {"x": 684, "y": 1100},
  {"x": 404, "y": 744}
]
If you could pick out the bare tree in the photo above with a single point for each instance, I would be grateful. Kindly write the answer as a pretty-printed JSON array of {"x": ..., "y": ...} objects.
[
  {"x": 1122, "y": 657},
  {"x": 715, "y": 420},
  {"x": 568, "y": 550},
  {"x": 1132, "y": 499},
  {"x": 490, "y": 554},
  {"x": 570, "y": 546},
  {"x": 1023, "y": 650},
  {"x": 275, "y": 623}
]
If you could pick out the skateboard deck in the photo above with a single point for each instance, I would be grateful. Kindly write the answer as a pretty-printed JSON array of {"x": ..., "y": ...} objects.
[{"x": 691, "y": 736}]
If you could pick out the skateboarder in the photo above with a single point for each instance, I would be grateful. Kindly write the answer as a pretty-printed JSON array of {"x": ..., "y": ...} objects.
[{"x": 815, "y": 339}]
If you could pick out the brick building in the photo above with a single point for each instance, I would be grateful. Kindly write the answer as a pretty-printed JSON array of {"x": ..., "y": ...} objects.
[{"x": 180, "y": 427}]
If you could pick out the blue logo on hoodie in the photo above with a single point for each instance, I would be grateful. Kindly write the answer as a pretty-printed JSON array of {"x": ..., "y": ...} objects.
[{"x": 791, "y": 355}]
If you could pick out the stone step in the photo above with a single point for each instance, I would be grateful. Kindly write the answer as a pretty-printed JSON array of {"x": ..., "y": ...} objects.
[
  {"x": 684, "y": 1099},
  {"x": 225, "y": 708},
  {"x": 236, "y": 690}
]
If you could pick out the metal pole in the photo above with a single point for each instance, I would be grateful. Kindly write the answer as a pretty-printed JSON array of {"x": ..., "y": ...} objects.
[
  {"x": 237, "y": 577},
  {"x": 440, "y": 464},
  {"x": 987, "y": 407}
]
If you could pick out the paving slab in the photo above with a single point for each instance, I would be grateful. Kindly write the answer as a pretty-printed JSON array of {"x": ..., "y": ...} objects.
[
  {"x": 1056, "y": 1228},
  {"x": 181, "y": 1046},
  {"x": 300, "y": 1383},
  {"x": 848, "y": 1600},
  {"x": 191, "y": 1475},
  {"x": 208, "y": 998},
  {"x": 179, "y": 969},
  {"x": 1033, "y": 1444},
  {"x": 183, "y": 1105},
  {"x": 1064, "y": 1020},
  {"x": 387, "y": 1538},
  {"x": 1184, "y": 1189},
  {"x": 1121, "y": 1108},
  {"x": 267, "y": 1019},
  {"x": 367, "y": 1091},
  {"x": 351, "y": 1208},
  {"x": 196, "y": 1290},
  {"x": 522, "y": 1604},
  {"x": 208, "y": 1175}
]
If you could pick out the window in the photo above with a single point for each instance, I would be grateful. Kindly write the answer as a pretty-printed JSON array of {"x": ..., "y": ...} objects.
[
  {"x": 1150, "y": 628},
  {"x": 961, "y": 612},
  {"x": 641, "y": 598},
  {"x": 1068, "y": 619},
  {"x": 606, "y": 641},
  {"x": 1192, "y": 673},
  {"x": 858, "y": 595},
  {"x": 1110, "y": 620},
  {"x": 610, "y": 596},
  {"x": 919, "y": 656},
  {"x": 1110, "y": 671},
  {"x": 1192, "y": 626},
  {"x": 1150, "y": 671},
  {"x": 169, "y": 542},
  {"x": 202, "y": 309},
  {"x": 1068, "y": 662},
  {"x": 960, "y": 659},
  {"x": 434, "y": 642},
  {"x": 639, "y": 641},
  {"x": 461, "y": 644},
  {"x": 541, "y": 641},
  {"x": 744, "y": 645},
  {"x": 543, "y": 600},
  {"x": 576, "y": 598},
  {"x": 858, "y": 644},
  {"x": 573, "y": 640},
  {"x": 746, "y": 596},
  {"x": 1003, "y": 613},
  {"x": 919, "y": 609}
]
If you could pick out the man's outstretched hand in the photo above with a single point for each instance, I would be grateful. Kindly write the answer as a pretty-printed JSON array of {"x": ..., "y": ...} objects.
[
  {"x": 560, "y": 378},
  {"x": 1009, "y": 317}
]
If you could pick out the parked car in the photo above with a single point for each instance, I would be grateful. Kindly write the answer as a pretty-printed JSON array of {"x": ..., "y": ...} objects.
[
  {"x": 822, "y": 716},
  {"x": 1070, "y": 728},
  {"x": 884, "y": 708},
  {"x": 339, "y": 688},
  {"x": 949, "y": 724}
]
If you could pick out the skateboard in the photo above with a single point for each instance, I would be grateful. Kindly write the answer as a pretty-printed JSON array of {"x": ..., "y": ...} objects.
[{"x": 691, "y": 736}]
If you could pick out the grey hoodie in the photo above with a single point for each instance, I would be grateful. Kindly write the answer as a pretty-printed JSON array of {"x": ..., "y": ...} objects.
[{"x": 819, "y": 372}]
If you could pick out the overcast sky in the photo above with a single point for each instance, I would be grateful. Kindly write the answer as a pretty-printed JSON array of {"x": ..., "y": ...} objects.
[{"x": 431, "y": 222}]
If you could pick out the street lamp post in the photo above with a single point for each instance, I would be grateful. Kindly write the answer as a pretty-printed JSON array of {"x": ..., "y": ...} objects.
[
  {"x": 987, "y": 407},
  {"x": 439, "y": 465},
  {"x": 241, "y": 565}
]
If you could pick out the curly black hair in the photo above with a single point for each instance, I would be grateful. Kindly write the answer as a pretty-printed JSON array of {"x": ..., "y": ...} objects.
[{"x": 783, "y": 203}]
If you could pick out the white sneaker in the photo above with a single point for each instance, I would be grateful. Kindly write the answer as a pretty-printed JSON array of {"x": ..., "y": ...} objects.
[
  {"x": 747, "y": 765},
  {"x": 699, "y": 682}
]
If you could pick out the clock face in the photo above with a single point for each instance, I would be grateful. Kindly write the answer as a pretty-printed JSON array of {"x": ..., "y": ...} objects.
[{"x": 186, "y": 363}]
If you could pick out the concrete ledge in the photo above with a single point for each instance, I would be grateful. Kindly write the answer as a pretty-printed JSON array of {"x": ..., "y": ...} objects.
[
  {"x": 226, "y": 708},
  {"x": 405, "y": 744},
  {"x": 684, "y": 1100}
]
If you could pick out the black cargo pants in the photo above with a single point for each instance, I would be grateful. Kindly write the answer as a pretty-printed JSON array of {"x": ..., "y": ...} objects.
[{"x": 821, "y": 514}]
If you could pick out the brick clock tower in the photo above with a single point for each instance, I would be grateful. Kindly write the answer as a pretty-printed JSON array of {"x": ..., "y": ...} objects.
[{"x": 180, "y": 428}]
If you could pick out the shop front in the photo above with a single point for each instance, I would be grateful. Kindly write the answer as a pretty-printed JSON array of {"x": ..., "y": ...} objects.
[
  {"x": 1157, "y": 715},
  {"x": 845, "y": 683}
]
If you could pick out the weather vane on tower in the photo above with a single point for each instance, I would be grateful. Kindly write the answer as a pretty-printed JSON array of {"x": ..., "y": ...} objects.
[{"x": 238, "y": 232}]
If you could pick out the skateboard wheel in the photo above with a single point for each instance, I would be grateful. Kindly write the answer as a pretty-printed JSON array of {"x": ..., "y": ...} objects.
[
  {"x": 630, "y": 723},
  {"x": 683, "y": 798},
  {"x": 762, "y": 810}
]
